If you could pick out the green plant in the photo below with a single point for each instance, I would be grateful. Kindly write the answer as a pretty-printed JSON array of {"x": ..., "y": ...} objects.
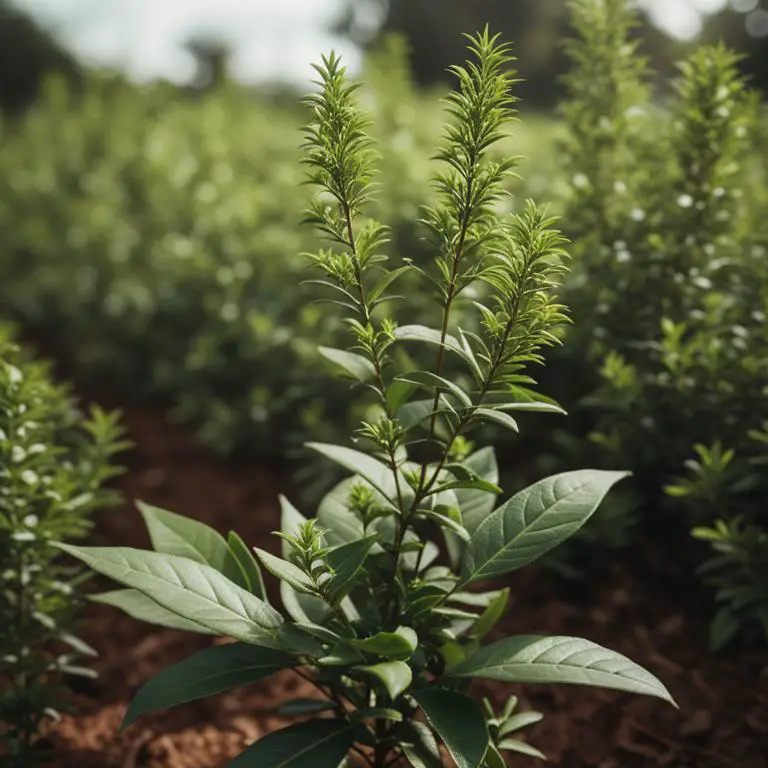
[
  {"x": 374, "y": 622},
  {"x": 53, "y": 464}
]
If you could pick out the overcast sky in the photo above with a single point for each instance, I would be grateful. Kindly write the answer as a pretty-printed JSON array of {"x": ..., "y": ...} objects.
[{"x": 270, "y": 39}]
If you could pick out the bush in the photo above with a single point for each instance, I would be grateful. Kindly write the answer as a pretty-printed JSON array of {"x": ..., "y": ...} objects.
[
  {"x": 669, "y": 294},
  {"x": 390, "y": 639},
  {"x": 53, "y": 464}
]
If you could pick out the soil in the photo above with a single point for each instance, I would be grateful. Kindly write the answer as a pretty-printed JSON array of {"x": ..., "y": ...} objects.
[{"x": 640, "y": 603}]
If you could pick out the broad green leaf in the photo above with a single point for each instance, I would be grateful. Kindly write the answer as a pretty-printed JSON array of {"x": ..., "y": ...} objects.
[
  {"x": 345, "y": 561},
  {"x": 303, "y": 608},
  {"x": 143, "y": 608},
  {"x": 394, "y": 645},
  {"x": 313, "y": 744},
  {"x": 305, "y": 706},
  {"x": 491, "y": 615},
  {"x": 174, "y": 534},
  {"x": 475, "y": 506},
  {"x": 378, "y": 474},
  {"x": 429, "y": 380},
  {"x": 249, "y": 566},
  {"x": 334, "y": 516},
  {"x": 535, "y": 659},
  {"x": 206, "y": 673},
  {"x": 398, "y": 393},
  {"x": 534, "y": 521},
  {"x": 444, "y": 521},
  {"x": 192, "y": 590},
  {"x": 419, "y": 746},
  {"x": 458, "y": 721},
  {"x": 294, "y": 639},
  {"x": 414, "y": 413},
  {"x": 395, "y": 675},
  {"x": 285, "y": 571},
  {"x": 357, "y": 366},
  {"x": 497, "y": 417}
]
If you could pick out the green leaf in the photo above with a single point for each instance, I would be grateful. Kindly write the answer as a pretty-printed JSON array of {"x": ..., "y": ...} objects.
[
  {"x": 378, "y": 713},
  {"x": 491, "y": 615},
  {"x": 345, "y": 561},
  {"x": 285, "y": 571},
  {"x": 458, "y": 721},
  {"x": 303, "y": 608},
  {"x": 399, "y": 644},
  {"x": 395, "y": 675},
  {"x": 535, "y": 407},
  {"x": 143, "y": 608},
  {"x": 534, "y": 521},
  {"x": 493, "y": 758},
  {"x": 429, "y": 380},
  {"x": 305, "y": 706},
  {"x": 420, "y": 747},
  {"x": 475, "y": 506},
  {"x": 192, "y": 590},
  {"x": 386, "y": 280},
  {"x": 535, "y": 659},
  {"x": 497, "y": 417},
  {"x": 290, "y": 522},
  {"x": 519, "y": 721},
  {"x": 204, "y": 674},
  {"x": 378, "y": 474},
  {"x": 313, "y": 744},
  {"x": 398, "y": 393},
  {"x": 249, "y": 566},
  {"x": 428, "y": 336},
  {"x": 357, "y": 366},
  {"x": 444, "y": 521},
  {"x": 174, "y": 534},
  {"x": 514, "y": 745}
]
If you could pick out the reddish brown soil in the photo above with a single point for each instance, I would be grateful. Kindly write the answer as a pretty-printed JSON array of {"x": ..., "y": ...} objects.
[{"x": 639, "y": 604}]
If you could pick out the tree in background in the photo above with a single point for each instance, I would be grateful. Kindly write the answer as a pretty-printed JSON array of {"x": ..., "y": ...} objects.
[
  {"x": 27, "y": 54},
  {"x": 433, "y": 29}
]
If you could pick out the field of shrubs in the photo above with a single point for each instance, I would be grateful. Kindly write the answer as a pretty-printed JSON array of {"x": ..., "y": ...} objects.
[{"x": 214, "y": 314}]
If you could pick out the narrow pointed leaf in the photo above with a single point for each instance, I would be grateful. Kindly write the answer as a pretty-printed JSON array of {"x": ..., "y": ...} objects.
[
  {"x": 475, "y": 505},
  {"x": 521, "y": 748},
  {"x": 248, "y": 564},
  {"x": 174, "y": 534},
  {"x": 497, "y": 417},
  {"x": 206, "y": 673},
  {"x": 285, "y": 571},
  {"x": 534, "y": 521},
  {"x": 313, "y": 744},
  {"x": 491, "y": 615},
  {"x": 143, "y": 608},
  {"x": 535, "y": 659},
  {"x": 458, "y": 721},
  {"x": 192, "y": 590},
  {"x": 431, "y": 380}
]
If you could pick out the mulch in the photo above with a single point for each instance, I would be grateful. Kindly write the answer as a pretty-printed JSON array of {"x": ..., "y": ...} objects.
[{"x": 640, "y": 602}]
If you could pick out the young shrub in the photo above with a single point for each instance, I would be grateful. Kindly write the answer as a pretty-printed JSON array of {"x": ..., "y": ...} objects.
[
  {"x": 53, "y": 464},
  {"x": 391, "y": 637}
]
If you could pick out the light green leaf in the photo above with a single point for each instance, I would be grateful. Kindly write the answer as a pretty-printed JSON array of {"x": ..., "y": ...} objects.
[
  {"x": 174, "y": 534},
  {"x": 395, "y": 675},
  {"x": 249, "y": 566},
  {"x": 143, "y": 608},
  {"x": 386, "y": 280},
  {"x": 206, "y": 673},
  {"x": 534, "y": 521},
  {"x": 429, "y": 380},
  {"x": 303, "y": 608},
  {"x": 313, "y": 744},
  {"x": 458, "y": 721},
  {"x": 535, "y": 407},
  {"x": 285, "y": 571},
  {"x": 535, "y": 659},
  {"x": 519, "y": 721},
  {"x": 378, "y": 474},
  {"x": 428, "y": 336},
  {"x": 521, "y": 748},
  {"x": 192, "y": 590},
  {"x": 345, "y": 561},
  {"x": 497, "y": 417},
  {"x": 357, "y": 366},
  {"x": 399, "y": 644}
]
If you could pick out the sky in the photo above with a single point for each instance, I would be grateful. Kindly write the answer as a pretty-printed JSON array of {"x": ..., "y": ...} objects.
[{"x": 271, "y": 40}]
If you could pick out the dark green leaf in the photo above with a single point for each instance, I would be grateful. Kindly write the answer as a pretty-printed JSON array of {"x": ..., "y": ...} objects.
[
  {"x": 429, "y": 380},
  {"x": 394, "y": 645},
  {"x": 345, "y": 561},
  {"x": 491, "y": 615},
  {"x": 458, "y": 721},
  {"x": 497, "y": 417},
  {"x": 207, "y": 673},
  {"x": 313, "y": 744},
  {"x": 395, "y": 675},
  {"x": 305, "y": 706}
]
